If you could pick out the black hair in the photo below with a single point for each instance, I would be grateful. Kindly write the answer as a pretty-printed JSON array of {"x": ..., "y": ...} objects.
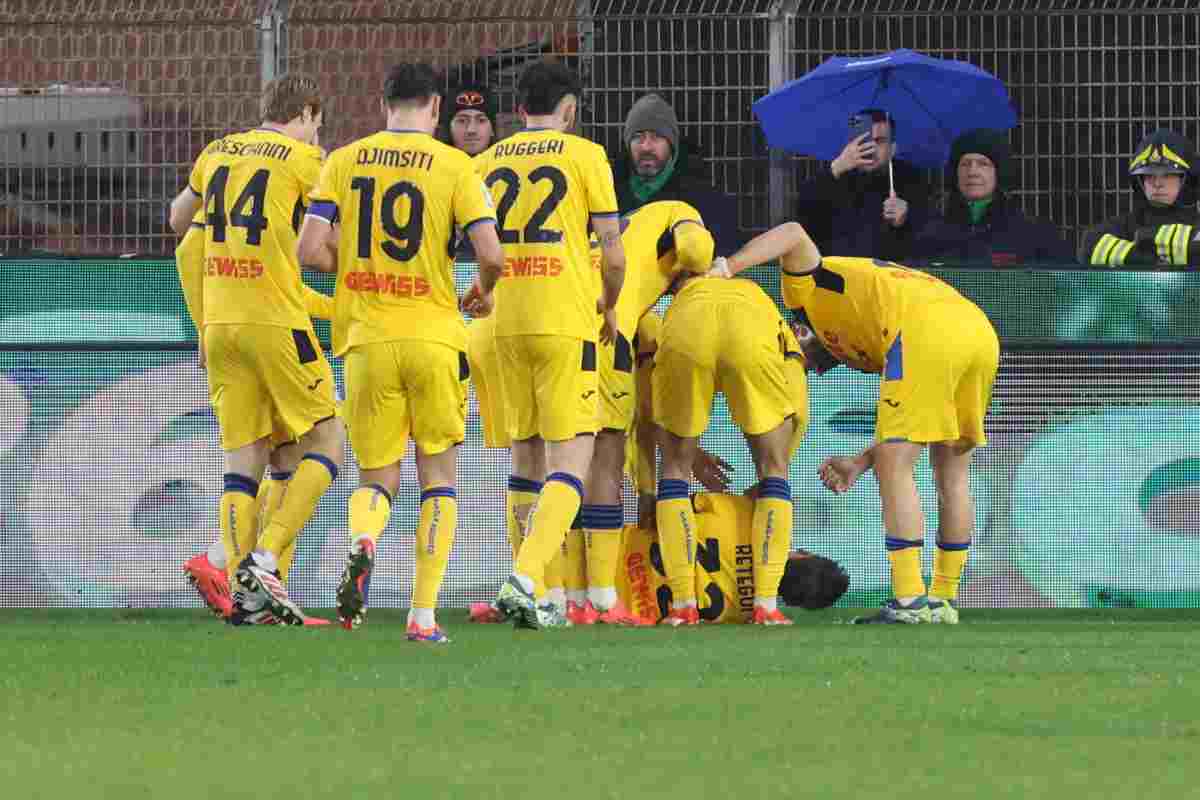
[
  {"x": 411, "y": 82},
  {"x": 807, "y": 584},
  {"x": 543, "y": 84},
  {"x": 879, "y": 115}
]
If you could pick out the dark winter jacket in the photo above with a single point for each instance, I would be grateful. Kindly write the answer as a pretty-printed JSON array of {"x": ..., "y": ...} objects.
[
  {"x": 1004, "y": 236},
  {"x": 844, "y": 216},
  {"x": 690, "y": 184},
  {"x": 1116, "y": 242}
]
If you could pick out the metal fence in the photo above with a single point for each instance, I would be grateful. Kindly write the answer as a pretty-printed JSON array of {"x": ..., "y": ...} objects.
[{"x": 102, "y": 107}]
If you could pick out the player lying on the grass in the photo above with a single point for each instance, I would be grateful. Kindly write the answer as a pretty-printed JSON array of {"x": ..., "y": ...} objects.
[
  {"x": 722, "y": 573},
  {"x": 265, "y": 367},
  {"x": 398, "y": 325},
  {"x": 937, "y": 354}
]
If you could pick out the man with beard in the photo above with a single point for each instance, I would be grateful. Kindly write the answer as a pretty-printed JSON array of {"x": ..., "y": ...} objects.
[
  {"x": 853, "y": 207},
  {"x": 659, "y": 164}
]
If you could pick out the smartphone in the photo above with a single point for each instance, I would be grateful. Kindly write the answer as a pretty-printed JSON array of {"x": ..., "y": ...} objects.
[{"x": 860, "y": 124}]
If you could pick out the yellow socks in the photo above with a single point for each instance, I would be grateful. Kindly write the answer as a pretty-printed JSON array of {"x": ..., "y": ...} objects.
[
  {"x": 771, "y": 538},
  {"x": 602, "y": 535},
  {"x": 310, "y": 480},
  {"x": 239, "y": 523},
  {"x": 905, "y": 556},
  {"x": 677, "y": 534},
  {"x": 575, "y": 574},
  {"x": 518, "y": 501},
  {"x": 370, "y": 510},
  {"x": 556, "y": 506},
  {"x": 270, "y": 495},
  {"x": 435, "y": 537},
  {"x": 948, "y": 569}
]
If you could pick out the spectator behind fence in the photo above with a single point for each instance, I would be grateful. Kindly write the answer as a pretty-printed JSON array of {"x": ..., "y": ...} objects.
[
  {"x": 849, "y": 209},
  {"x": 982, "y": 226},
  {"x": 658, "y": 164},
  {"x": 470, "y": 127},
  {"x": 471, "y": 118},
  {"x": 1161, "y": 227}
]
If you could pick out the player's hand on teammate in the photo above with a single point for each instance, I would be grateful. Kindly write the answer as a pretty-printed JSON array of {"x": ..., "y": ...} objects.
[
  {"x": 839, "y": 473},
  {"x": 711, "y": 471},
  {"x": 720, "y": 268},
  {"x": 608, "y": 329},
  {"x": 476, "y": 302}
]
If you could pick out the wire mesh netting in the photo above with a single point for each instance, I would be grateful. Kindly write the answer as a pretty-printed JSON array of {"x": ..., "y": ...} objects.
[{"x": 103, "y": 106}]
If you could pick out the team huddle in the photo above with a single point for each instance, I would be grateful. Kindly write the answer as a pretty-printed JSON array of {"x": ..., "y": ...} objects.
[{"x": 574, "y": 372}]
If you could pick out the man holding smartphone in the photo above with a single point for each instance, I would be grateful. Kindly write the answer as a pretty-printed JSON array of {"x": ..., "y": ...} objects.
[{"x": 864, "y": 203}]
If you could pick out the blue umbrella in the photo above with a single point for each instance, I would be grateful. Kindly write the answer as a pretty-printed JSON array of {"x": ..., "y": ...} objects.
[{"x": 932, "y": 100}]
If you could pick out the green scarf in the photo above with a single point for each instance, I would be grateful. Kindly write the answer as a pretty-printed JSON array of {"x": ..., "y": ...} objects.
[
  {"x": 645, "y": 188},
  {"x": 977, "y": 208}
]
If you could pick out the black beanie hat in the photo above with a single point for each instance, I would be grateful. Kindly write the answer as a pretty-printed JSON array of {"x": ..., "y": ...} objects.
[
  {"x": 473, "y": 97},
  {"x": 991, "y": 143}
]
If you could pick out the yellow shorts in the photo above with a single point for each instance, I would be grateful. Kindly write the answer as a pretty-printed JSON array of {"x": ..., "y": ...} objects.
[
  {"x": 720, "y": 346},
  {"x": 403, "y": 388},
  {"x": 265, "y": 380},
  {"x": 935, "y": 387},
  {"x": 618, "y": 388},
  {"x": 550, "y": 386},
  {"x": 485, "y": 377}
]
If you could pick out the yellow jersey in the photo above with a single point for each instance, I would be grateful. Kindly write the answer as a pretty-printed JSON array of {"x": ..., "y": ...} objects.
[
  {"x": 547, "y": 186},
  {"x": 252, "y": 185},
  {"x": 660, "y": 239},
  {"x": 858, "y": 305},
  {"x": 398, "y": 196},
  {"x": 724, "y": 563}
]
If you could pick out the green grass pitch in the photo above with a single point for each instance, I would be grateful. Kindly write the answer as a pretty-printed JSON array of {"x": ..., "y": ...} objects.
[{"x": 1010, "y": 704}]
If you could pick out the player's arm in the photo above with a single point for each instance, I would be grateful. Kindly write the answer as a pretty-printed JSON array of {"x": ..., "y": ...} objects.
[
  {"x": 317, "y": 245},
  {"x": 188, "y": 201},
  {"x": 789, "y": 243},
  {"x": 474, "y": 211},
  {"x": 183, "y": 208},
  {"x": 612, "y": 267}
]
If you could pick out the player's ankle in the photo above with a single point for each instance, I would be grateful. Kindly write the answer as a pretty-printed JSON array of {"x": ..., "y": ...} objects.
[
  {"x": 767, "y": 604},
  {"x": 603, "y": 598},
  {"x": 680, "y": 605},
  {"x": 266, "y": 559},
  {"x": 908, "y": 601},
  {"x": 216, "y": 555},
  {"x": 424, "y": 618}
]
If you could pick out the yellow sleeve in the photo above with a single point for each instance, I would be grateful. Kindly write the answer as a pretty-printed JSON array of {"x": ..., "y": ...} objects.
[
  {"x": 797, "y": 289},
  {"x": 308, "y": 170},
  {"x": 317, "y": 304},
  {"x": 598, "y": 183},
  {"x": 472, "y": 201},
  {"x": 189, "y": 262}
]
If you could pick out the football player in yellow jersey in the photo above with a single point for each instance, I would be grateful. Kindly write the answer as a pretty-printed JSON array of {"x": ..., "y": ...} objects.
[
  {"x": 210, "y": 572},
  {"x": 728, "y": 336},
  {"x": 264, "y": 365},
  {"x": 548, "y": 186},
  {"x": 398, "y": 195},
  {"x": 938, "y": 355},
  {"x": 661, "y": 240},
  {"x": 723, "y": 574}
]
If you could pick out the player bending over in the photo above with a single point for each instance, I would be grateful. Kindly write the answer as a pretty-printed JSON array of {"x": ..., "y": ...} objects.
[
  {"x": 937, "y": 354},
  {"x": 728, "y": 336}
]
